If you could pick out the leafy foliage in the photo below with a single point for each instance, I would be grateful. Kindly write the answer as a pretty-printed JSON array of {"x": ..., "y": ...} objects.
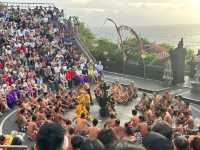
[
  {"x": 106, "y": 50},
  {"x": 189, "y": 55},
  {"x": 87, "y": 36}
]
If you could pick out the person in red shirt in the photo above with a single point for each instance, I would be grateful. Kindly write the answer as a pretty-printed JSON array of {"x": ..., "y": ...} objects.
[
  {"x": 7, "y": 79},
  {"x": 22, "y": 49},
  {"x": 1, "y": 65},
  {"x": 69, "y": 75}
]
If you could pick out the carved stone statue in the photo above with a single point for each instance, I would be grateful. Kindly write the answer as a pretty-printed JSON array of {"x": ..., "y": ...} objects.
[
  {"x": 180, "y": 44},
  {"x": 178, "y": 62}
]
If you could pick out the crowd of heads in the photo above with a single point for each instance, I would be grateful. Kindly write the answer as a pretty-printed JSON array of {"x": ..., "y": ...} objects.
[
  {"x": 43, "y": 72},
  {"x": 38, "y": 55}
]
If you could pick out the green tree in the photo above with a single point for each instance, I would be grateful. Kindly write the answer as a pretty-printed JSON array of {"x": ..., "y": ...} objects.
[
  {"x": 87, "y": 36},
  {"x": 189, "y": 55},
  {"x": 167, "y": 46},
  {"x": 106, "y": 49}
]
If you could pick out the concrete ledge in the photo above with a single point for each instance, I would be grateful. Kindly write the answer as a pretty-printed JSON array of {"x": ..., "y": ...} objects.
[
  {"x": 5, "y": 119},
  {"x": 146, "y": 85},
  {"x": 190, "y": 98}
]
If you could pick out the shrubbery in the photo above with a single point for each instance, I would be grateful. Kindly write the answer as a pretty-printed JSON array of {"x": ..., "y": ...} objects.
[{"x": 108, "y": 52}]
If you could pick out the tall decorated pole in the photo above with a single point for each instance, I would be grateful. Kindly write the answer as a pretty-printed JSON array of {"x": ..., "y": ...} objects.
[
  {"x": 120, "y": 42},
  {"x": 161, "y": 52},
  {"x": 140, "y": 42}
]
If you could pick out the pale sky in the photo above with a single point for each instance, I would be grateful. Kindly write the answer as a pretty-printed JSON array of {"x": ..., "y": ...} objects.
[{"x": 131, "y": 12}]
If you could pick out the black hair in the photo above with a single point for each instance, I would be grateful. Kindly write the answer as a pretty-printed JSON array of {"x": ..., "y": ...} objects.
[
  {"x": 163, "y": 128},
  {"x": 22, "y": 111},
  {"x": 142, "y": 118},
  {"x": 92, "y": 145},
  {"x": 107, "y": 137},
  {"x": 112, "y": 116},
  {"x": 50, "y": 136},
  {"x": 123, "y": 145},
  {"x": 134, "y": 112},
  {"x": 195, "y": 143},
  {"x": 16, "y": 141},
  {"x": 117, "y": 122},
  {"x": 34, "y": 118},
  {"x": 95, "y": 122},
  {"x": 2, "y": 138},
  {"x": 71, "y": 131},
  {"x": 77, "y": 141},
  {"x": 157, "y": 114},
  {"x": 181, "y": 143},
  {"x": 128, "y": 130},
  {"x": 82, "y": 115},
  {"x": 68, "y": 122},
  {"x": 144, "y": 94}
]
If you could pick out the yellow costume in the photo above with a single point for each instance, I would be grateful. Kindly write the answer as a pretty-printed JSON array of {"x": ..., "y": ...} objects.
[
  {"x": 81, "y": 109},
  {"x": 91, "y": 71},
  {"x": 8, "y": 139},
  {"x": 83, "y": 101}
]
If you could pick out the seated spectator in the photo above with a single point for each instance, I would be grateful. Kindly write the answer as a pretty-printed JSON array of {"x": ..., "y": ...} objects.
[
  {"x": 6, "y": 139},
  {"x": 195, "y": 143},
  {"x": 181, "y": 143},
  {"x": 76, "y": 142},
  {"x": 135, "y": 118},
  {"x": 118, "y": 130},
  {"x": 123, "y": 145},
  {"x": 163, "y": 128},
  {"x": 2, "y": 138},
  {"x": 21, "y": 119},
  {"x": 156, "y": 141},
  {"x": 16, "y": 142},
  {"x": 129, "y": 134},
  {"x": 82, "y": 125},
  {"x": 107, "y": 137},
  {"x": 143, "y": 126},
  {"x": 32, "y": 128},
  {"x": 110, "y": 122},
  {"x": 94, "y": 130},
  {"x": 69, "y": 136}
]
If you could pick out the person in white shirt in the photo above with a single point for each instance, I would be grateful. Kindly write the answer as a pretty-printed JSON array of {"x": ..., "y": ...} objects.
[
  {"x": 57, "y": 69},
  {"x": 99, "y": 67}
]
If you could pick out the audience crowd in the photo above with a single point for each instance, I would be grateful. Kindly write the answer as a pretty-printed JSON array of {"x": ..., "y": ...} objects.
[{"x": 44, "y": 74}]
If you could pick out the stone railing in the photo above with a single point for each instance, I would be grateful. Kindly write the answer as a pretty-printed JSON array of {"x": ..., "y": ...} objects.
[
  {"x": 12, "y": 147},
  {"x": 24, "y": 5}
]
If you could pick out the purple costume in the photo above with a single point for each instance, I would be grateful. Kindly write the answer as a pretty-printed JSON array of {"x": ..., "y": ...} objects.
[
  {"x": 83, "y": 78},
  {"x": 12, "y": 98}
]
